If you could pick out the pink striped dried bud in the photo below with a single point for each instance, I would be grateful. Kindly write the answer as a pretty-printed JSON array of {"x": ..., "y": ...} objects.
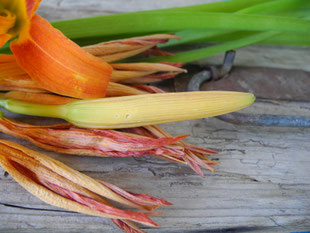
[
  {"x": 57, "y": 184},
  {"x": 116, "y": 50},
  {"x": 131, "y": 142}
]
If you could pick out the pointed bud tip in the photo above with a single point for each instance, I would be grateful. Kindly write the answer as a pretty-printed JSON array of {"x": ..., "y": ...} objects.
[{"x": 251, "y": 99}]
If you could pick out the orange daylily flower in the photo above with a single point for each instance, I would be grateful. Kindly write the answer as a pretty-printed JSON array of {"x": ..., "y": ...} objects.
[{"x": 52, "y": 60}]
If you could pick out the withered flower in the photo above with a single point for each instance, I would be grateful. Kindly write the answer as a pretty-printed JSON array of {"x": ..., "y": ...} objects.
[{"x": 59, "y": 185}]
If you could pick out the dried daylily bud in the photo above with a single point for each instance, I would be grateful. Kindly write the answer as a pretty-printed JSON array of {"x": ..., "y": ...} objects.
[
  {"x": 57, "y": 184},
  {"x": 120, "y": 49},
  {"x": 194, "y": 156},
  {"x": 144, "y": 72},
  {"x": 133, "y": 142},
  {"x": 66, "y": 138}
]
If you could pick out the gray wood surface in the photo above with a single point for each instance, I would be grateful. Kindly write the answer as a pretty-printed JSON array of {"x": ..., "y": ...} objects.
[{"x": 262, "y": 183}]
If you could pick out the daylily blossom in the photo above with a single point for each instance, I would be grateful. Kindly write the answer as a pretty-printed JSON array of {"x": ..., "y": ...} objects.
[
  {"x": 50, "y": 58},
  {"x": 57, "y": 184}
]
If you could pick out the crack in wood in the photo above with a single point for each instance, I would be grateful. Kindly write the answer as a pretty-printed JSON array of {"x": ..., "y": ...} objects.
[{"x": 32, "y": 208}]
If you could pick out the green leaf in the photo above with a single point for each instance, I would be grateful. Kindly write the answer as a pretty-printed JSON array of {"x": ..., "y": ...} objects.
[{"x": 198, "y": 54}]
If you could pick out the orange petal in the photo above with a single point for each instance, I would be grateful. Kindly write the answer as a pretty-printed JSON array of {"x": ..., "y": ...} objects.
[
  {"x": 4, "y": 38},
  {"x": 59, "y": 65},
  {"x": 9, "y": 67},
  {"x": 32, "y": 6}
]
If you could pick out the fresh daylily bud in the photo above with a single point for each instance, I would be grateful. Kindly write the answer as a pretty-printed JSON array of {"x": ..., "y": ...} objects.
[{"x": 139, "y": 110}]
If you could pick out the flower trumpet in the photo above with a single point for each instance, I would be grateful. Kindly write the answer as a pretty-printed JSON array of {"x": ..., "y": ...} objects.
[
  {"x": 57, "y": 184},
  {"x": 138, "y": 110}
]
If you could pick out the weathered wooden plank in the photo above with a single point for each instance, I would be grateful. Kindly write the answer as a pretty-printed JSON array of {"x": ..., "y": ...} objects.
[
  {"x": 261, "y": 185},
  {"x": 257, "y": 183},
  {"x": 69, "y": 9}
]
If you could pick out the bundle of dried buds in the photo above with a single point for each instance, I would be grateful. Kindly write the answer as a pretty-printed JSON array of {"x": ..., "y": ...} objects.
[
  {"x": 57, "y": 184},
  {"x": 131, "y": 142}
]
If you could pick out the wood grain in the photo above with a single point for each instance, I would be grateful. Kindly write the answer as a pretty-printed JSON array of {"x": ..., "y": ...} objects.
[{"x": 262, "y": 183}]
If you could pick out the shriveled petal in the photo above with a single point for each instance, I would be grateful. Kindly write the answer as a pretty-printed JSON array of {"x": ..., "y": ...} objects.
[
  {"x": 141, "y": 198},
  {"x": 120, "y": 49},
  {"x": 142, "y": 66},
  {"x": 151, "y": 78},
  {"x": 149, "y": 88},
  {"x": 59, "y": 65},
  {"x": 123, "y": 45},
  {"x": 193, "y": 155},
  {"x": 127, "y": 226},
  {"x": 144, "y": 72}
]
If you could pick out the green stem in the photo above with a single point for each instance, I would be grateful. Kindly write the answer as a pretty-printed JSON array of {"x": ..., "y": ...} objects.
[
  {"x": 32, "y": 109},
  {"x": 198, "y": 54}
]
